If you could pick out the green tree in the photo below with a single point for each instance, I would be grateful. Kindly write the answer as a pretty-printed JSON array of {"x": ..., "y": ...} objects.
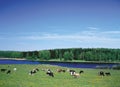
[
  {"x": 44, "y": 55},
  {"x": 89, "y": 56},
  {"x": 68, "y": 55},
  {"x": 29, "y": 56},
  {"x": 16, "y": 54}
]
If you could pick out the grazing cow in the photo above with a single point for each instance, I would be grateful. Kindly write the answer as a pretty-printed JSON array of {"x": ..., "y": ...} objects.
[
  {"x": 50, "y": 73},
  {"x": 81, "y": 71},
  {"x": 101, "y": 73},
  {"x": 60, "y": 70},
  {"x": 107, "y": 74},
  {"x": 37, "y": 69},
  {"x": 32, "y": 72},
  {"x": 9, "y": 71},
  {"x": 72, "y": 72},
  {"x": 14, "y": 69},
  {"x": 63, "y": 70},
  {"x": 76, "y": 75},
  {"x": 3, "y": 70}
]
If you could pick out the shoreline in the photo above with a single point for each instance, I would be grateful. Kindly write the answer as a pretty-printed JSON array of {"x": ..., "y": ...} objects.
[
  {"x": 60, "y": 61},
  {"x": 13, "y": 58}
]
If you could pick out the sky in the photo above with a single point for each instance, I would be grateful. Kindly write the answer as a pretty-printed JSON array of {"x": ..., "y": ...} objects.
[{"x": 28, "y": 25}]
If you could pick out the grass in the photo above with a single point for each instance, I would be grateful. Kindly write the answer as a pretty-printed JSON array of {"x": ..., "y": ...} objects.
[
  {"x": 89, "y": 78},
  {"x": 58, "y": 60}
]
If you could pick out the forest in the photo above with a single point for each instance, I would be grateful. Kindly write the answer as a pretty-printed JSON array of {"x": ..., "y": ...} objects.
[{"x": 68, "y": 54}]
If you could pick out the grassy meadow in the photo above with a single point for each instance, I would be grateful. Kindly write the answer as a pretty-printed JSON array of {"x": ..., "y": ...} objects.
[{"x": 90, "y": 78}]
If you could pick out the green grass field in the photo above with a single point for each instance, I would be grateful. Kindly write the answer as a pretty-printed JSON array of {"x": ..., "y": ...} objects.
[{"x": 90, "y": 78}]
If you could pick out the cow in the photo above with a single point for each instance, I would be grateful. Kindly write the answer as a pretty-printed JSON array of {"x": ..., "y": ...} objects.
[
  {"x": 107, "y": 74},
  {"x": 76, "y": 75},
  {"x": 81, "y": 71},
  {"x": 8, "y": 72},
  {"x": 37, "y": 69},
  {"x": 101, "y": 73},
  {"x": 14, "y": 69},
  {"x": 50, "y": 73},
  {"x": 32, "y": 72},
  {"x": 3, "y": 70},
  {"x": 60, "y": 70},
  {"x": 72, "y": 72}
]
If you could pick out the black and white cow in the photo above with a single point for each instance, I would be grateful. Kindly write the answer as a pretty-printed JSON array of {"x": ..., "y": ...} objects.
[
  {"x": 101, "y": 73},
  {"x": 72, "y": 72},
  {"x": 32, "y": 72},
  {"x": 50, "y": 73}
]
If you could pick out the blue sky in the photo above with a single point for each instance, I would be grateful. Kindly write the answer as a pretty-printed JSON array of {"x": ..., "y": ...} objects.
[{"x": 49, "y": 24}]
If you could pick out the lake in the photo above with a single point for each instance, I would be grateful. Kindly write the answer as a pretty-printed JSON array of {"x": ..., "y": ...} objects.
[{"x": 64, "y": 64}]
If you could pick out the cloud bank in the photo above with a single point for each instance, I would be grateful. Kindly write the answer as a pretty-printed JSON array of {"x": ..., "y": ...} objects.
[
  {"x": 84, "y": 36},
  {"x": 91, "y": 38}
]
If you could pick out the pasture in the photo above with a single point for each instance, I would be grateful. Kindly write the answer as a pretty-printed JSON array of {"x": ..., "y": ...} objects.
[{"x": 90, "y": 78}]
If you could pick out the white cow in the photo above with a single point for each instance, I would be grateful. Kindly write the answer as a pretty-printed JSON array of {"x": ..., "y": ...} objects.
[{"x": 14, "y": 69}]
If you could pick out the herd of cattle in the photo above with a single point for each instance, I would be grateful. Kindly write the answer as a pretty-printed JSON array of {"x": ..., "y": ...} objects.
[{"x": 49, "y": 72}]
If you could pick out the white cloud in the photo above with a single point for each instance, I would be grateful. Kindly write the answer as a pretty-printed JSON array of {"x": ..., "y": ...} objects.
[
  {"x": 85, "y": 36},
  {"x": 92, "y": 28},
  {"x": 112, "y": 32}
]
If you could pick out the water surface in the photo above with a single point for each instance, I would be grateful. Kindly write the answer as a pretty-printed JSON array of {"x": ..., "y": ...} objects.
[{"x": 64, "y": 64}]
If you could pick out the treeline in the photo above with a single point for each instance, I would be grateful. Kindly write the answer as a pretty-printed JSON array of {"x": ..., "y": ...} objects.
[
  {"x": 86, "y": 54},
  {"x": 10, "y": 54}
]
